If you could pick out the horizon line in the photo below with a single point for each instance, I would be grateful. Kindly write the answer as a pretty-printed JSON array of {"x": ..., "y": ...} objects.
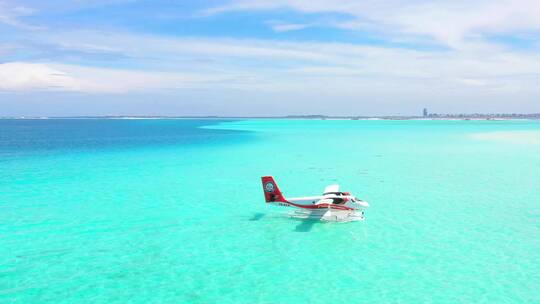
[{"x": 299, "y": 116}]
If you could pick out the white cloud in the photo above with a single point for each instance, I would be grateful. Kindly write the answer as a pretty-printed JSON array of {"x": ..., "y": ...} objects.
[
  {"x": 450, "y": 22},
  {"x": 472, "y": 71},
  {"x": 24, "y": 76},
  {"x": 245, "y": 64},
  {"x": 287, "y": 27},
  {"x": 11, "y": 15},
  {"x": 289, "y": 74}
]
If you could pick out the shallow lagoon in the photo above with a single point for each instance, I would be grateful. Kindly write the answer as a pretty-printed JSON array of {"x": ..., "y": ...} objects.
[{"x": 139, "y": 211}]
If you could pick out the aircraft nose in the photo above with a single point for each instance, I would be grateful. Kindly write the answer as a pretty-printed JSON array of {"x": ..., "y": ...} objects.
[{"x": 363, "y": 204}]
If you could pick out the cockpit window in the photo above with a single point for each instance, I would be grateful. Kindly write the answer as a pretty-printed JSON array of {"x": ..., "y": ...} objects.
[
  {"x": 338, "y": 201},
  {"x": 334, "y": 193}
]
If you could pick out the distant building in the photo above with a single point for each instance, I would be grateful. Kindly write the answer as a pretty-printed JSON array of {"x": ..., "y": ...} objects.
[{"x": 425, "y": 113}]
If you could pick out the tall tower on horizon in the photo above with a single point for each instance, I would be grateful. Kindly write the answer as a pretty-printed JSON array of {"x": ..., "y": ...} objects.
[{"x": 425, "y": 112}]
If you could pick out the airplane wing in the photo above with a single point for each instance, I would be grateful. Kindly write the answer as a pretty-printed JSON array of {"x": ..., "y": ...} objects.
[
  {"x": 325, "y": 201},
  {"x": 331, "y": 188}
]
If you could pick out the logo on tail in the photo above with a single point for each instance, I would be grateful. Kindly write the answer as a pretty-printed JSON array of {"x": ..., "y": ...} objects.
[
  {"x": 269, "y": 187},
  {"x": 271, "y": 190}
]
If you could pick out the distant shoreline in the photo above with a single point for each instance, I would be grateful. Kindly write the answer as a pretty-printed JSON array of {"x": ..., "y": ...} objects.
[{"x": 475, "y": 117}]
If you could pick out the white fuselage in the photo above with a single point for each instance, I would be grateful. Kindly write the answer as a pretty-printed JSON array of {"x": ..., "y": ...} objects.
[{"x": 332, "y": 201}]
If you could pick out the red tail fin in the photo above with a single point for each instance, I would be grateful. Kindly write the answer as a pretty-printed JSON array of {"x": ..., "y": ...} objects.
[{"x": 271, "y": 190}]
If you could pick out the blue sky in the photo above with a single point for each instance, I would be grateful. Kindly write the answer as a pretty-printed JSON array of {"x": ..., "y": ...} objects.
[{"x": 273, "y": 57}]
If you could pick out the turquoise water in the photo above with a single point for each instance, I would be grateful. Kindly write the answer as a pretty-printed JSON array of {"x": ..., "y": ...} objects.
[{"x": 171, "y": 211}]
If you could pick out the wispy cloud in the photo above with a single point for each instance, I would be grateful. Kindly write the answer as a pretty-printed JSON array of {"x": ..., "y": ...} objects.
[
  {"x": 448, "y": 22},
  {"x": 24, "y": 76},
  {"x": 248, "y": 64},
  {"x": 12, "y": 14},
  {"x": 28, "y": 76},
  {"x": 279, "y": 27},
  {"x": 451, "y": 52}
]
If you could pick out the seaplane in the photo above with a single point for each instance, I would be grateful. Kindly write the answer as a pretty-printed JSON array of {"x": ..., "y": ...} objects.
[{"x": 332, "y": 205}]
